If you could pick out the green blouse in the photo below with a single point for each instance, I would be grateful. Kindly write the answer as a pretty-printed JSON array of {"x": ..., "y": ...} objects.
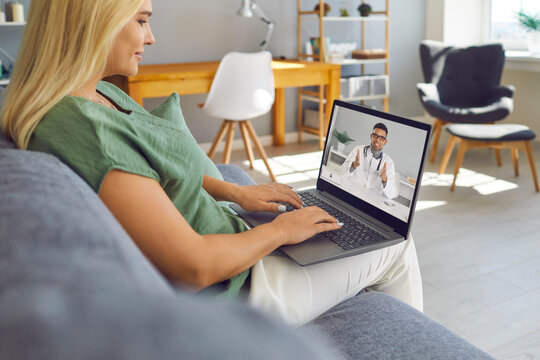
[{"x": 93, "y": 139}]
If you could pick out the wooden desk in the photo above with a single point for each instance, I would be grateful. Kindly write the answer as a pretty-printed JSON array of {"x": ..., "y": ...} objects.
[{"x": 161, "y": 80}]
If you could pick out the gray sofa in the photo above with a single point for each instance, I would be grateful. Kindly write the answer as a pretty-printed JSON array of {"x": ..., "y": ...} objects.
[{"x": 74, "y": 286}]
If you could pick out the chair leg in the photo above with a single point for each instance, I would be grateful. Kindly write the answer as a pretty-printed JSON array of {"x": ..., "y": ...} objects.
[
  {"x": 437, "y": 126},
  {"x": 530, "y": 157},
  {"x": 498, "y": 156},
  {"x": 217, "y": 139},
  {"x": 260, "y": 149},
  {"x": 247, "y": 142},
  {"x": 229, "y": 141},
  {"x": 515, "y": 156},
  {"x": 463, "y": 145},
  {"x": 497, "y": 153},
  {"x": 447, "y": 153}
]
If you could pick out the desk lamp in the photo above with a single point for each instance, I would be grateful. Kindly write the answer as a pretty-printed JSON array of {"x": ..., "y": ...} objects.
[{"x": 247, "y": 9}]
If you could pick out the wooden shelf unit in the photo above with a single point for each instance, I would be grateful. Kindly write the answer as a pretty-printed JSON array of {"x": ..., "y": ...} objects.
[{"x": 318, "y": 95}]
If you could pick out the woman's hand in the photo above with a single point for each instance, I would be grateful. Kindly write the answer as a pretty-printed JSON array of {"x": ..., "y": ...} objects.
[
  {"x": 299, "y": 225},
  {"x": 263, "y": 197}
]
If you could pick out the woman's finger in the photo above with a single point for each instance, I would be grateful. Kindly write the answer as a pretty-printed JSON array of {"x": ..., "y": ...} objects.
[
  {"x": 328, "y": 226},
  {"x": 290, "y": 197}
]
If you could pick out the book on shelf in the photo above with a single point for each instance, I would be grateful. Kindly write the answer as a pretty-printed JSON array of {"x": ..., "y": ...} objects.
[
  {"x": 321, "y": 48},
  {"x": 309, "y": 50}
]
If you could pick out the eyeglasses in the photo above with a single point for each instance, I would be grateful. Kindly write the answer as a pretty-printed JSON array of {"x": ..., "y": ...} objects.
[{"x": 378, "y": 137}]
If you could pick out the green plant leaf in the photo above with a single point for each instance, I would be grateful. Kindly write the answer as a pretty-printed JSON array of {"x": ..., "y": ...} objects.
[
  {"x": 342, "y": 137},
  {"x": 530, "y": 22}
]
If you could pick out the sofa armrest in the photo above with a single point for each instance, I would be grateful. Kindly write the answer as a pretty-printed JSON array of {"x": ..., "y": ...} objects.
[{"x": 232, "y": 173}]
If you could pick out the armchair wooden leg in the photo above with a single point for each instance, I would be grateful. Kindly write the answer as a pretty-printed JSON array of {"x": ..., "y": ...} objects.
[
  {"x": 463, "y": 146},
  {"x": 260, "y": 149},
  {"x": 447, "y": 153},
  {"x": 498, "y": 156},
  {"x": 530, "y": 157},
  {"x": 217, "y": 139},
  {"x": 247, "y": 142},
  {"x": 229, "y": 141},
  {"x": 437, "y": 126},
  {"x": 515, "y": 156}
]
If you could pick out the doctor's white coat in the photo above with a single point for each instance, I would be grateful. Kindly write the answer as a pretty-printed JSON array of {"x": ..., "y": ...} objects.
[{"x": 367, "y": 174}]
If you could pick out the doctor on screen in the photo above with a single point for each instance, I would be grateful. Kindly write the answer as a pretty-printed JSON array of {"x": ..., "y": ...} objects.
[{"x": 369, "y": 166}]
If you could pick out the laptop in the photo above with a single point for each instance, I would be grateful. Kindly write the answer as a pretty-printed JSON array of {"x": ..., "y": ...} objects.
[{"x": 374, "y": 215}]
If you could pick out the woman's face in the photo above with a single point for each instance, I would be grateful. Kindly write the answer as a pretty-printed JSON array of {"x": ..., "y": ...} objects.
[{"x": 129, "y": 43}]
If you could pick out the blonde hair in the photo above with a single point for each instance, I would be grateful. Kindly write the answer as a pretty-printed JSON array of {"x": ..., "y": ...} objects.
[{"x": 65, "y": 44}]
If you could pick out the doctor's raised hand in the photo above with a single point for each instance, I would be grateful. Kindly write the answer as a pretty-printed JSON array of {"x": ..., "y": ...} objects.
[
  {"x": 356, "y": 162},
  {"x": 382, "y": 174}
]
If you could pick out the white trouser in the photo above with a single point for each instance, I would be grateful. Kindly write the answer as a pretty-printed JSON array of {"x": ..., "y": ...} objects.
[{"x": 298, "y": 294}]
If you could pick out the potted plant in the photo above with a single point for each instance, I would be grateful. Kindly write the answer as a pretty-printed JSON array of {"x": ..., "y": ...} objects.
[
  {"x": 364, "y": 9},
  {"x": 342, "y": 138},
  {"x": 531, "y": 24},
  {"x": 326, "y": 8}
]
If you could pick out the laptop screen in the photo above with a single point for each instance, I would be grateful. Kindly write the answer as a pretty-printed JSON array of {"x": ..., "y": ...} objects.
[{"x": 375, "y": 160}]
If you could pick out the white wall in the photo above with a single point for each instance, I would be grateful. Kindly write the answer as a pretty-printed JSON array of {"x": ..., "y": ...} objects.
[
  {"x": 435, "y": 20},
  {"x": 465, "y": 21},
  {"x": 458, "y": 22},
  {"x": 526, "y": 99}
]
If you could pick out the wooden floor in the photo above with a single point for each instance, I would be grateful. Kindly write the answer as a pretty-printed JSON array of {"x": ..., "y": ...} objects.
[{"x": 479, "y": 247}]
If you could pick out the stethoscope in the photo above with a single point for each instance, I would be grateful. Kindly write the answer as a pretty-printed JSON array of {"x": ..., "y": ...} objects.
[{"x": 366, "y": 148}]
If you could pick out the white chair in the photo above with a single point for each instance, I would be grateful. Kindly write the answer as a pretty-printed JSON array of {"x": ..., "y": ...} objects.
[{"x": 242, "y": 89}]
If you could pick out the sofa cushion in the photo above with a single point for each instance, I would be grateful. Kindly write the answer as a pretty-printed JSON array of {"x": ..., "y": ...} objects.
[
  {"x": 233, "y": 173},
  {"x": 53, "y": 323},
  {"x": 55, "y": 230},
  {"x": 377, "y": 326}
]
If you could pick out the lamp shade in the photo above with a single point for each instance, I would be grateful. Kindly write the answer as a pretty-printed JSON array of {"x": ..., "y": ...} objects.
[{"x": 245, "y": 9}]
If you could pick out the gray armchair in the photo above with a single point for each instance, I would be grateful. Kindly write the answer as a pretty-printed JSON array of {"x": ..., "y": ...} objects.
[{"x": 462, "y": 85}]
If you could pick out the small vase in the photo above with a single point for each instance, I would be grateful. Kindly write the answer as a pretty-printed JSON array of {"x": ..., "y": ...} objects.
[
  {"x": 533, "y": 41},
  {"x": 341, "y": 147},
  {"x": 364, "y": 9},
  {"x": 326, "y": 8}
]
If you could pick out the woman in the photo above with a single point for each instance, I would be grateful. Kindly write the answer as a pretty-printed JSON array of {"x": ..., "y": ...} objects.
[{"x": 151, "y": 174}]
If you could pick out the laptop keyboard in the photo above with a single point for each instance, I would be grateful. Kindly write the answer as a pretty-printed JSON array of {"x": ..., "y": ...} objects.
[{"x": 352, "y": 234}]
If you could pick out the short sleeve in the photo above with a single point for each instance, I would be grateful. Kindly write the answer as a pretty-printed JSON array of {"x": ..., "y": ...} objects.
[{"x": 170, "y": 110}]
